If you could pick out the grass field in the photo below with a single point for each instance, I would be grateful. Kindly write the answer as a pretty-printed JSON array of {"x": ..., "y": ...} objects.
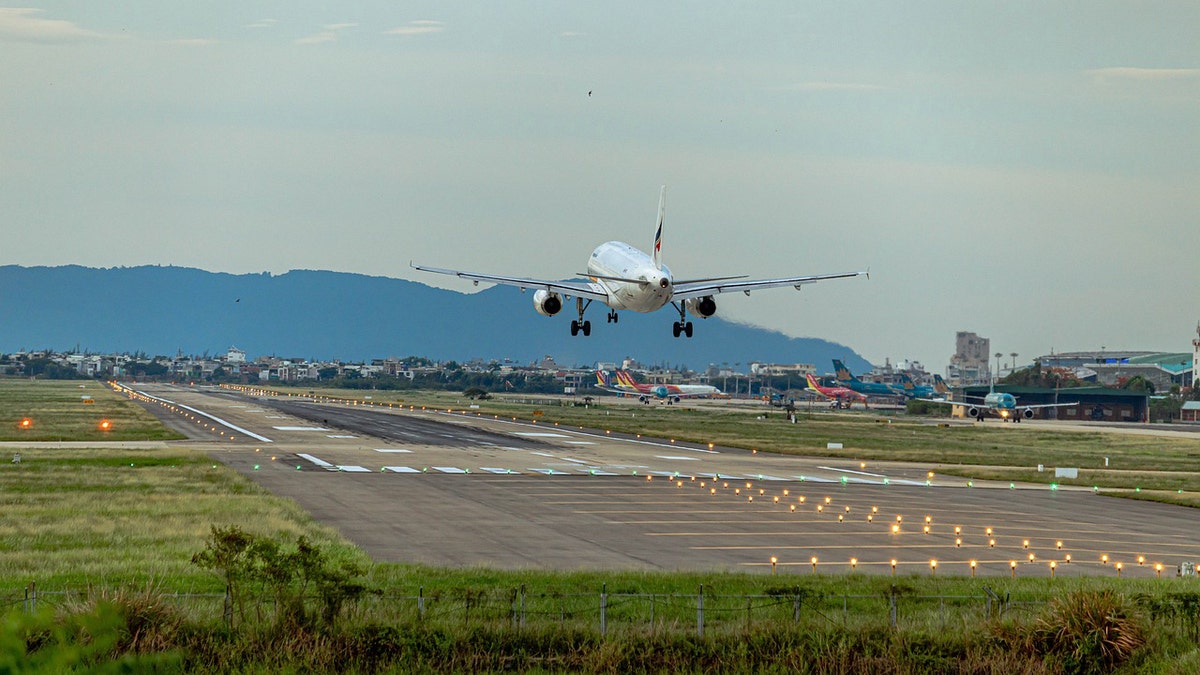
[{"x": 56, "y": 411}]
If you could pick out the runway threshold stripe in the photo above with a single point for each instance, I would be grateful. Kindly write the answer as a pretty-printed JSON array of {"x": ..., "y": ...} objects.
[
  {"x": 400, "y": 469},
  {"x": 316, "y": 460},
  {"x": 353, "y": 469}
]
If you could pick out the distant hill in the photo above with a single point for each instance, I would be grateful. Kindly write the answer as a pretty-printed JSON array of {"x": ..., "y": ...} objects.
[{"x": 325, "y": 315}]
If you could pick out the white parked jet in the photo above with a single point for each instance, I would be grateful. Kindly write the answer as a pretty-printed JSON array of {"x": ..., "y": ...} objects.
[{"x": 624, "y": 277}]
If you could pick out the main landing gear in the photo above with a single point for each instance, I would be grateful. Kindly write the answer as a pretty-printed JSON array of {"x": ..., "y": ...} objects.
[
  {"x": 682, "y": 326},
  {"x": 583, "y": 326},
  {"x": 613, "y": 317}
]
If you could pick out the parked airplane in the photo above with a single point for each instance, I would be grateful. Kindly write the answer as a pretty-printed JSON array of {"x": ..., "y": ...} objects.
[
  {"x": 624, "y": 277},
  {"x": 844, "y": 377},
  {"x": 1000, "y": 404},
  {"x": 914, "y": 390},
  {"x": 671, "y": 393},
  {"x": 843, "y": 394},
  {"x": 939, "y": 386}
]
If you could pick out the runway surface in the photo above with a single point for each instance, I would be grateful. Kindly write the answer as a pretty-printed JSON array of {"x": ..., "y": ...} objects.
[{"x": 467, "y": 490}]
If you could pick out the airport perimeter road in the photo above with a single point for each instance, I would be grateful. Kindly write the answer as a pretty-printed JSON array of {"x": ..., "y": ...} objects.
[{"x": 496, "y": 493}]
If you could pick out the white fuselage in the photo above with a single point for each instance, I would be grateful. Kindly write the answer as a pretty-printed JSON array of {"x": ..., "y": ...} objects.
[{"x": 645, "y": 288}]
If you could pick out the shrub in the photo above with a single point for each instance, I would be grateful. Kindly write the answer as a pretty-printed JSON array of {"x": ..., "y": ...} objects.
[{"x": 1088, "y": 631}]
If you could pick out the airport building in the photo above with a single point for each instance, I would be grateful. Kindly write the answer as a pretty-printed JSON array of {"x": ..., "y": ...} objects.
[{"x": 1113, "y": 368}]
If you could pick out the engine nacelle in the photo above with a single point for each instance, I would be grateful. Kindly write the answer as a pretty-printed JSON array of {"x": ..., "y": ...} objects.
[
  {"x": 1027, "y": 413},
  {"x": 973, "y": 412},
  {"x": 547, "y": 303},
  {"x": 702, "y": 307}
]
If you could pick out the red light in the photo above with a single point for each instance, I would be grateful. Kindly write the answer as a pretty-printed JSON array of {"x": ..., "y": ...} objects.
[
  {"x": 26, "y": 423},
  {"x": 105, "y": 425}
]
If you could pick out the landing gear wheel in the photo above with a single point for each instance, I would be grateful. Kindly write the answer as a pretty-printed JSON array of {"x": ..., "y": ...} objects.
[
  {"x": 574, "y": 328},
  {"x": 586, "y": 328},
  {"x": 687, "y": 329},
  {"x": 676, "y": 329},
  {"x": 613, "y": 317}
]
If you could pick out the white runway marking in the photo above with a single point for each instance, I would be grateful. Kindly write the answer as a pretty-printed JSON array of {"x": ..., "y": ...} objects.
[
  {"x": 538, "y": 434},
  {"x": 492, "y": 469},
  {"x": 301, "y": 429},
  {"x": 316, "y": 460},
  {"x": 391, "y": 450},
  {"x": 340, "y": 436},
  {"x": 214, "y": 418},
  {"x": 450, "y": 469},
  {"x": 579, "y": 442},
  {"x": 400, "y": 469},
  {"x": 541, "y": 454},
  {"x": 680, "y": 458},
  {"x": 573, "y": 461},
  {"x": 353, "y": 469}
]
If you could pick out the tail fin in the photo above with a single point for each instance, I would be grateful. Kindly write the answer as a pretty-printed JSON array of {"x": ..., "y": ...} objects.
[
  {"x": 662, "y": 212},
  {"x": 907, "y": 383},
  {"x": 842, "y": 373},
  {"x": 625, "y": 378},
  {"x": 939, "y": 385},
  {"x": 603, "y": 379},
  {"x": 812, "y": 383}
]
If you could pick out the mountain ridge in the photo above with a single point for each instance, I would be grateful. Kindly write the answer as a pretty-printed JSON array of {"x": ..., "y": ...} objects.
[{"x": 322, "y": 315}]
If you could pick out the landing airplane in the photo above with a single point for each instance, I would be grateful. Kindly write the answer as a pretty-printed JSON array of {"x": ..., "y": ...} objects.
[
  {"x": 625, "y": 278},
  {"x": 1000, "y": 404},
  {"x": 671, "y": 393},
  {"x": 835, "y": 393},
  {"x": 846, "y": 378}
]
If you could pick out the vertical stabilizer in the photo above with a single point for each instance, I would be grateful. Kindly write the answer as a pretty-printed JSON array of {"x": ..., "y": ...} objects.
[
  {"x": 662, "y": 211},
  {"x": 842, "y": 373}
]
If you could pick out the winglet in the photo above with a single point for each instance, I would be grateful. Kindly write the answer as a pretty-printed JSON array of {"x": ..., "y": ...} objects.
[{"x": 662, "y": 210}]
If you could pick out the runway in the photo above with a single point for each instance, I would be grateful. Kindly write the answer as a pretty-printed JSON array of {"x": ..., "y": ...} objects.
[{"x": 455, "y": 490}]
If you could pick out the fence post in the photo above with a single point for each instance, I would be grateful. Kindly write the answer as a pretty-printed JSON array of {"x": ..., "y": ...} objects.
[
  {"x": 603, "y": 609},
  {"x": 892, "y": 606},
  {"x": 227, "y": 609},
  {"x": 796, "y": 606},
  {"x": 700, "y": 612},
  {"x": 522, "y": 605},
  {"x": 421, "y": 602}
]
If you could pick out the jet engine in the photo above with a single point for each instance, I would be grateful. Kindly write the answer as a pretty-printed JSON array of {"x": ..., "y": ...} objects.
[
  {"x": 1027, "y": 413},
  {"x": 973, "y": 412},
  {"x": 702, "y": 307},
  {"x": 547, "y": 303}
]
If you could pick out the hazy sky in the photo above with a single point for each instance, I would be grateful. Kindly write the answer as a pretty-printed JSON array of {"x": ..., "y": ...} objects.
[{"x": 1029, "y": 171}]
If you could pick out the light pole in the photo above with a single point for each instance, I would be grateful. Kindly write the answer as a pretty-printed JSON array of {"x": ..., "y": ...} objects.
[
  {"x": 996, "y": 377},
  {"x": 1014, "y": 361}
]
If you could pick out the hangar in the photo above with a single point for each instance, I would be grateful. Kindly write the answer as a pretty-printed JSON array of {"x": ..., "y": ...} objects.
[{"x": 1098, "y": 404}]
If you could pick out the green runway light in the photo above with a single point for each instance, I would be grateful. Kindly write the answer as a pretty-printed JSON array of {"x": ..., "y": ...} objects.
[
  {"x": 970, "y": 483},
  {"x": 1053, "y": 486},
  {"x": 886, "y": 481},
  {"x": 297, "y": 467},
  {"x": 256, "y": 467},
  {"x": 1012, "y": 486},
  {"x": 844, "y": 481}
]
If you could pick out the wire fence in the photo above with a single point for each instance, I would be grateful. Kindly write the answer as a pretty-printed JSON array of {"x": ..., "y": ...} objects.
[{"x": 606, "y": 613}]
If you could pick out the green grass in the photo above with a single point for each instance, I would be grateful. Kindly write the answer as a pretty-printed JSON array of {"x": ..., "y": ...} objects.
[
  {"x": 74, "y": 517},
  {"x": 56, "y": 412}
]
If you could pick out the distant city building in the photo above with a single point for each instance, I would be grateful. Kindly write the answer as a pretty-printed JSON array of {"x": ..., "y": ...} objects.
[{"x": 969, "y": 365}]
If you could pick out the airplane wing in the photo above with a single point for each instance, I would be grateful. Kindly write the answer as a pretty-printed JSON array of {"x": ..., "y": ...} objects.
[
  {"x": 697, "y": 289},
  {"x": 1046, "y": 405},
  {"x": 583, "y": 290}
]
